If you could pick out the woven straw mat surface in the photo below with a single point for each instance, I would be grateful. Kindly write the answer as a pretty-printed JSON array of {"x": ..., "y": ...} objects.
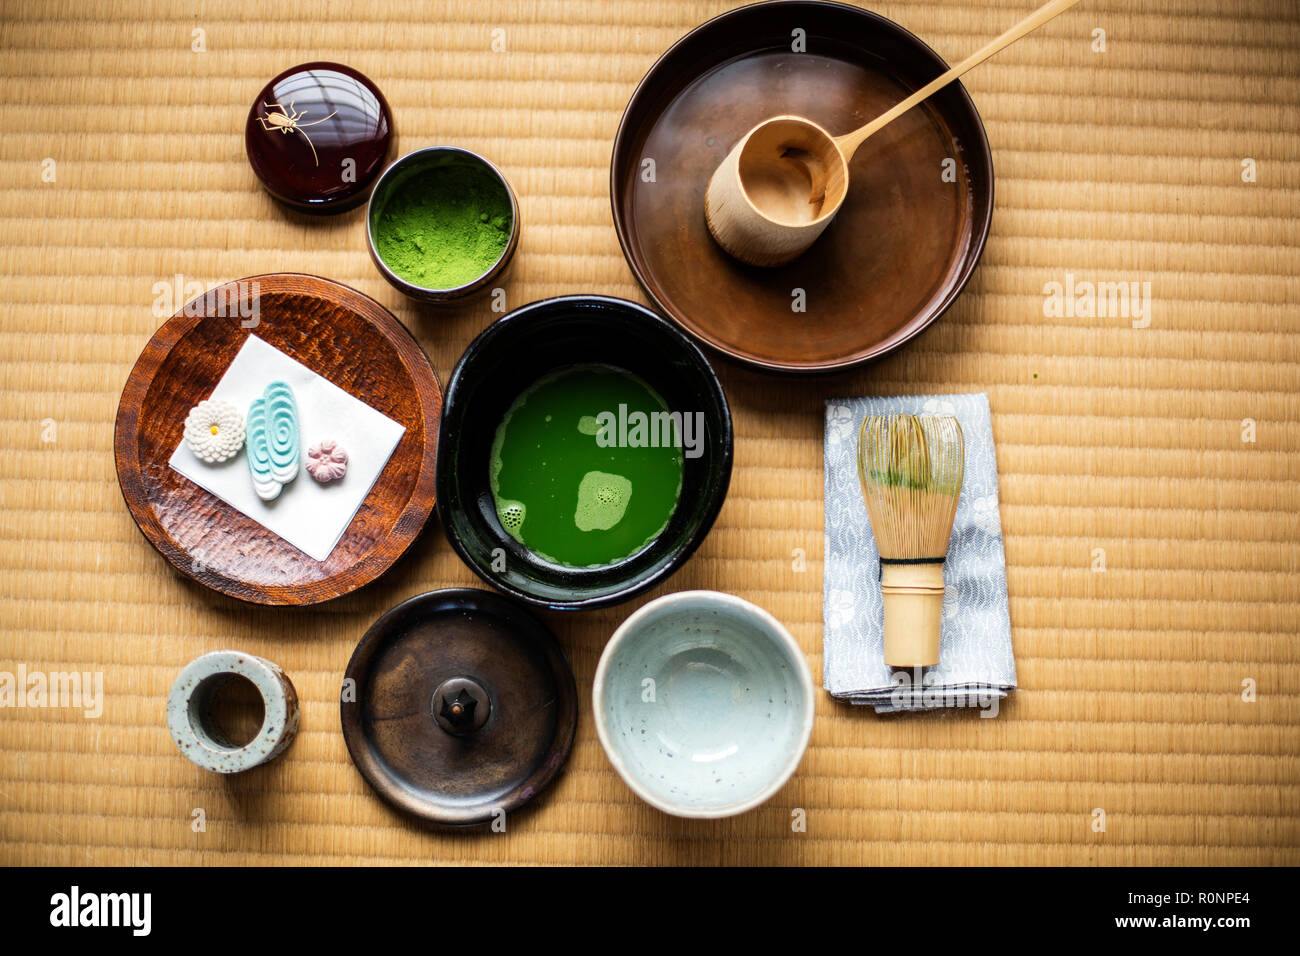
[{"x": 1163, "y": 690}]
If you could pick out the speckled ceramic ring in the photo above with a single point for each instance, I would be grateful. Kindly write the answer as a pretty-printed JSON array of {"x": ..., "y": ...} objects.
[{"x": 189, "y": 711}]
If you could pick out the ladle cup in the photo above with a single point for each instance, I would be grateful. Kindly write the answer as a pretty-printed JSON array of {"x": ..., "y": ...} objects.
[{"x": 783, "y": 183}]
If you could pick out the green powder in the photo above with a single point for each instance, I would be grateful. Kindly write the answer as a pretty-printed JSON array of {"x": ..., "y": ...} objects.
[{"x": 444, "y": 227}]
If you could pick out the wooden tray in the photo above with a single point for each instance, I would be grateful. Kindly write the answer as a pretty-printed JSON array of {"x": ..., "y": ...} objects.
[
  {"x": 340, "y": 334},
  {"x": 901, "y": 249}
]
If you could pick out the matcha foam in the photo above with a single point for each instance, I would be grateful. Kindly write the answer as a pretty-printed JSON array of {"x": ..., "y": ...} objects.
[
  {"x": 511, "y": 515},
  {"x": 602, "y": 501}
]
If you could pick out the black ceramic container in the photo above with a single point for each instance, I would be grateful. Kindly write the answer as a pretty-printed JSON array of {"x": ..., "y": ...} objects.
[{"x": 505, "y": 360}]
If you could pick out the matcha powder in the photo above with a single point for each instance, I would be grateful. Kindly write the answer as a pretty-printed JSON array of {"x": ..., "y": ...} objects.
[{"x": 444, "y": 227}]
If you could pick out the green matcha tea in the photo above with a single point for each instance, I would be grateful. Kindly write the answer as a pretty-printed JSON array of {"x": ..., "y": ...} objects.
[
  {"x": 585, "y": 470},
  {"x": 444, "y": 227}
]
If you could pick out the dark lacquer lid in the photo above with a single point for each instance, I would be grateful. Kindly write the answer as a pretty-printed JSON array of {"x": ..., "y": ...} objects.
[
  {"x": 459, "y": 706},
  {"x": 318, "y": 136}
]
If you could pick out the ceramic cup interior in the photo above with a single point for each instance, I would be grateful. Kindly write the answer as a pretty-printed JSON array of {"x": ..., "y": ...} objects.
[
  {"x": 392, "y": 187},
  {"x": 512, "y": 354},
  {"x": 704, "y": 704}
]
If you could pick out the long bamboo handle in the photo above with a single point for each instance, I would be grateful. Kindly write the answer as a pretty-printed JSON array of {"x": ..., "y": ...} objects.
[
  {"x": 849, "y": 142},
  {"x": 913, "y": 598}
]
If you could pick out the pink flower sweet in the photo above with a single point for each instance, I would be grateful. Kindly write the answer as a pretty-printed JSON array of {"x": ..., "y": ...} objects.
[{"x": 327, "y": 461}]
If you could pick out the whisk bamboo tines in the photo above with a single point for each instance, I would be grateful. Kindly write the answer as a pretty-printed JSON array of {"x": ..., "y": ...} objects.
[{"x": 911, "y": 470}]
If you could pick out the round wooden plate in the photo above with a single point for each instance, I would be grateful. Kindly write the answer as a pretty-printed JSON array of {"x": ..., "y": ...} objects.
[
  {"x": 900, "y": 250},
  {"x": 343, "y": 336}
]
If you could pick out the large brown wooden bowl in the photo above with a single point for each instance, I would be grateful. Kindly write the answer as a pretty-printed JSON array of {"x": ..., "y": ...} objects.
[
  {"x": 899, "y": 251},
  {"x": 337, "y": 332}
]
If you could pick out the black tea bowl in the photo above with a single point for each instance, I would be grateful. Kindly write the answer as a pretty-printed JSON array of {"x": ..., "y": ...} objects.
[{"x": 509, "y": 356}]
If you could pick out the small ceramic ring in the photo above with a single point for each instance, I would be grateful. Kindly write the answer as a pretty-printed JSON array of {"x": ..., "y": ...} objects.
[{"x": 189, "y": 714}]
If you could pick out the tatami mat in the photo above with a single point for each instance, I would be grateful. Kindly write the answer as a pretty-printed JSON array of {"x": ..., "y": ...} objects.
[{"x": 1118, "y": 165}]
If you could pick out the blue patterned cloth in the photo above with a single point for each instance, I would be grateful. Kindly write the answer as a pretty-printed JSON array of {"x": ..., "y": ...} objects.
[{"x": 976, "y": 666}]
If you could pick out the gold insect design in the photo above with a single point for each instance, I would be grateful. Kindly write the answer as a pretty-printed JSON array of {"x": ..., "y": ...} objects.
[{"x": 287, "y": 121}]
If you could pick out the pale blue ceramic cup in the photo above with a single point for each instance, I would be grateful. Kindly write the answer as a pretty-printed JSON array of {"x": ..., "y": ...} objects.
[{"x": 704, "y": 704}]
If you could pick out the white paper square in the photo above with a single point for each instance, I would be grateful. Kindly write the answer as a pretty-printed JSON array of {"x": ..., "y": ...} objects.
[{"x": 310, "y": 516}]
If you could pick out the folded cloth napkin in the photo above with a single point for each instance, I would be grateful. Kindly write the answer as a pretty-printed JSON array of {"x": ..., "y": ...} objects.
[{"x": 976, "y": 667}]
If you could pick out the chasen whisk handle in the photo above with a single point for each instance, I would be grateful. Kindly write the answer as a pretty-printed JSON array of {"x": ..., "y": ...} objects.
[{"x": 913, "y": 595}]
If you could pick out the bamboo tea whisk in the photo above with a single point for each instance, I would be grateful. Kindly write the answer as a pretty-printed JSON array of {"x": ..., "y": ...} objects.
[{"x": 911, "y": 470}]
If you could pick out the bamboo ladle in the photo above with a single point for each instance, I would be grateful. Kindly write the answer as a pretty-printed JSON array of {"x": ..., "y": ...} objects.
[{"x": 783, "y": 183}]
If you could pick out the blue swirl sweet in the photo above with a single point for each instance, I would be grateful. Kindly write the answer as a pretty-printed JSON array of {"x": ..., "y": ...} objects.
[{"x": 271, "y": 435}]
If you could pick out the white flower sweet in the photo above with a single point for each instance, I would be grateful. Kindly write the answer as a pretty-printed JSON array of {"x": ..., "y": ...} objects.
[{"x": 214, "y": 431}]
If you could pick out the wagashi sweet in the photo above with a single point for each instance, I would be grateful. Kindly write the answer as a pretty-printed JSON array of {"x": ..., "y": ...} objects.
[
  {"x": 327, "y": 461},
  {"x": 214, "y": 431},
  {"x": 273, "y": 441}
]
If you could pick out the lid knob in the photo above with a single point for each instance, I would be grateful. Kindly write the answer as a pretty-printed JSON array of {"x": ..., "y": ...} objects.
[{"x": 461, "y": 706}]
